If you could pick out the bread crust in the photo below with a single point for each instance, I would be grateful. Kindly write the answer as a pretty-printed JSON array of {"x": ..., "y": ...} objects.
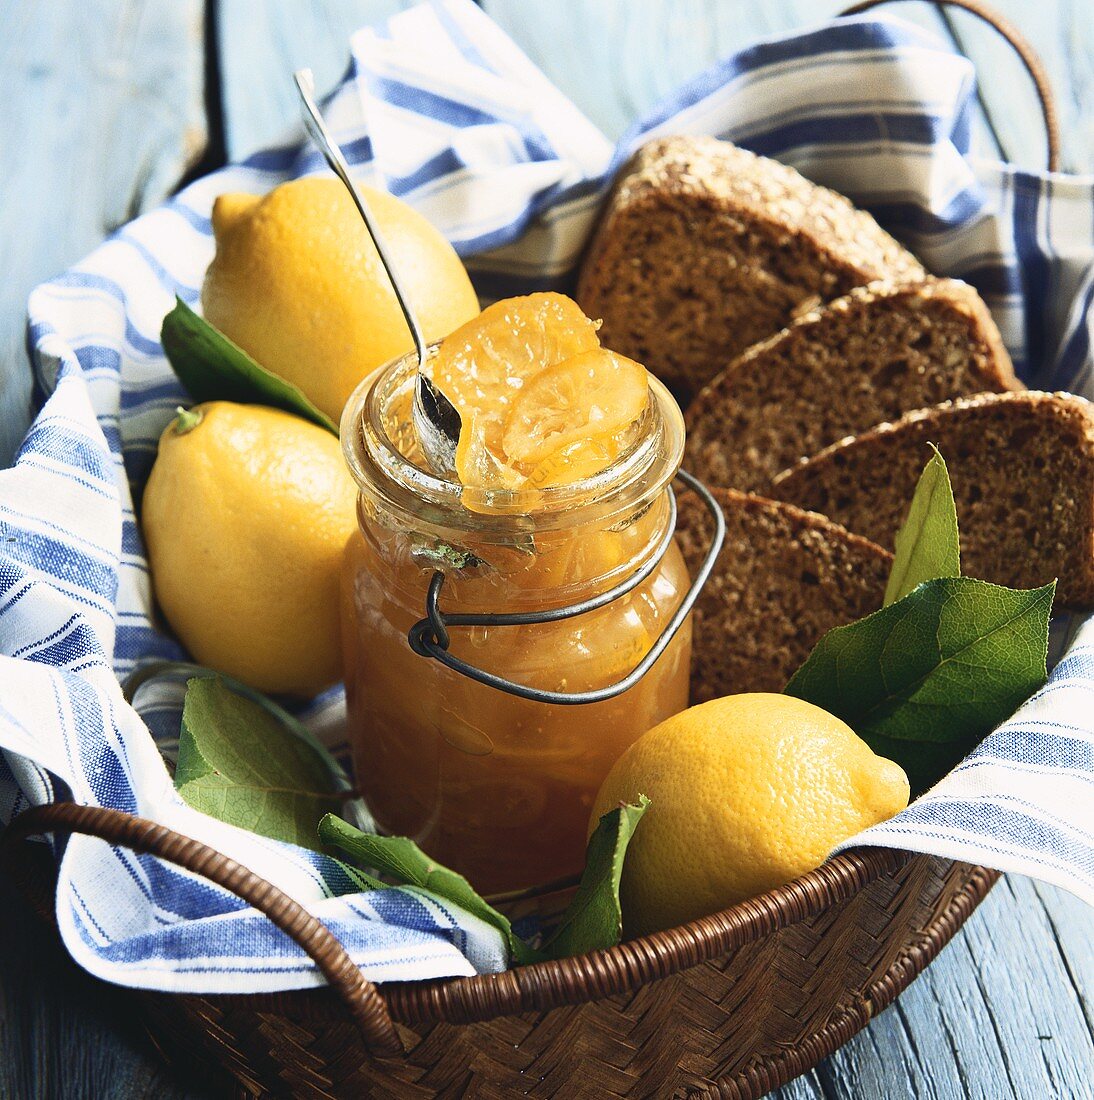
[
  {"x": 841, "y": 368},
  {"x": 783, "y": 579},
  {"x": 1022, "y": 469},
  {"x": 764, "y": 241}
]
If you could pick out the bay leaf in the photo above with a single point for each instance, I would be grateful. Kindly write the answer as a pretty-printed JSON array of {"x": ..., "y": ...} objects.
[
  {"x": 402, "y": 860},
  {"x": 594, "y": 919},
  {"x": 213, "y": 368},
  {"x": 240, "y": 762},
  {"x": 925, "y": 679},
  {"x": 927, "y": 546}
]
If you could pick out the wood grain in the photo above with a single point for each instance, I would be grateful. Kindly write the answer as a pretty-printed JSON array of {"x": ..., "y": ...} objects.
[
  {"x": 666, "y": 43},
  {"x": 616, "y": 59},
  {"x": 102, "y": 112},
  {"x": 262, "y": 42},
  {"x": 1062, "y": 33},
  {"x": 995, "y": 1015},
  {"x": 63, "y": 1035}
]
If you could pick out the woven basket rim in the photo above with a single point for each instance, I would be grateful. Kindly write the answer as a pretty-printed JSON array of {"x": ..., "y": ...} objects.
[
  {"x": 759, "y": 1076},
  {"x": 633, "y": 963},
  {"x": 626, "y": 966},
  {"x": 679, "y": 949}
]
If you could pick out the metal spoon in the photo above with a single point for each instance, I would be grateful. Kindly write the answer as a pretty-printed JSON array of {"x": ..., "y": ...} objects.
[{"x": 436, "y": 421}]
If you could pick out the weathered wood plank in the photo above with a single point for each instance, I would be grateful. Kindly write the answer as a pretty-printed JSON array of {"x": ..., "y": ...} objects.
[
  {"x": 1033, "y": 1004},
  {"x": 62, "y": 1035},
  {"x": 616, "y": 59},
  {"x": 102, "y": 111},
  {"x": 994, "y": 1016},
  {"x": 261, "y": 43},
  {"x": 1062, "y": 33},
  {"x": 1071, "y": 925}
]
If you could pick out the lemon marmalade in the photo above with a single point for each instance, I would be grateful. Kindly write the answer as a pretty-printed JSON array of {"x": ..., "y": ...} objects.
[{"x": 497, "y": 786}]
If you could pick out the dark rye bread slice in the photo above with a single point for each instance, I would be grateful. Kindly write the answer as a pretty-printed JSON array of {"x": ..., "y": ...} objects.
[
  {"x": 1022, "y": 467},
  {"x": 783, "y": 579},
  {"x": 704, "y": 248},
  {"x": 871, "y": 356}
]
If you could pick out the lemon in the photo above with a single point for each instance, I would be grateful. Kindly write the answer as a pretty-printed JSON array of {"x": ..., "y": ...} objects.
[
  {"x": 482, "y": 366},
  {"x": 747, "y": 792},
  {"x": 245, "y": 516},
  {"x": 589, "y": 399},
  {"x": 541, "y": 403},
  {"x": 298, "y": 284}
]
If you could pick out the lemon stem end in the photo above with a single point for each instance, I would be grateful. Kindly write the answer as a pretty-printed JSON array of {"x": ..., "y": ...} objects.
[{"x": 186, "y": 420}]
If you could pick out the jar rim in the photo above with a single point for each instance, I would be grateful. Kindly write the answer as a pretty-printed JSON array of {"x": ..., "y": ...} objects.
[{"x": 383, "y": 471}]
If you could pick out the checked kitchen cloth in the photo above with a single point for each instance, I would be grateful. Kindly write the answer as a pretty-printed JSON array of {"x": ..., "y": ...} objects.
[{"x": 442, "y": 109}]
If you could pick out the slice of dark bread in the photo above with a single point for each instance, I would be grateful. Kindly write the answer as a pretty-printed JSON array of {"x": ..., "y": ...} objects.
[
  {"x": 783, "y": 579},
  {"x": 1022, "y": 467},
  {"x": 871, "y": 356},
  {"x": 704, "y": 248}
]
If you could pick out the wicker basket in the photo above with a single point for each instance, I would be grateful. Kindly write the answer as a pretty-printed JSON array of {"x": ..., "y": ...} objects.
[{"x": 729, "y": 1006}]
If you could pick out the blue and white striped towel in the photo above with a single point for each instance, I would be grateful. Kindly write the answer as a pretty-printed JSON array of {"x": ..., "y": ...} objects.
[{"x": 440, "y": 107}]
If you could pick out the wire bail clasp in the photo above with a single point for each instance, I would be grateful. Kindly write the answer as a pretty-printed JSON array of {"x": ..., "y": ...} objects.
[{"x": 429, "y": 637}]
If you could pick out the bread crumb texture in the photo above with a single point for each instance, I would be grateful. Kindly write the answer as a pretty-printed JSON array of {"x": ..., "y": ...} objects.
[
  {"x": 1022, "y": 468},
  {"x": 871, "y": 356},
  {"x": 783, "y": 579},
  {"x": 705, "y": 248}
]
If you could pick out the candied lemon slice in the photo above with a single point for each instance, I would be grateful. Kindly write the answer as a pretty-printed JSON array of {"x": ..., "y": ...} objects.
[
  {"x": 478, "y": 463},
  {"x": 484, "y": 364},
  {"x": 578, "y": 460},
  {"x": 590, "y": 397},
  {"x": 485, "y": 361}
]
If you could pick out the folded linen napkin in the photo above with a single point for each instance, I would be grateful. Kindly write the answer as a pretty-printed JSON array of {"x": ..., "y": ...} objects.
[{"x": 441, "y": 108}]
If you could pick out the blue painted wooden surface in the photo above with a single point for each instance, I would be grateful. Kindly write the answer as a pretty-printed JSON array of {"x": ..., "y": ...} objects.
[
  {"x": 103, "y": 111},
  {"x": 580, "y": 46}
]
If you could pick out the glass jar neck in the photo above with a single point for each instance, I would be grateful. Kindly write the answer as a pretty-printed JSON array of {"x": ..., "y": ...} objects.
[{"x": 623, "y": 504}]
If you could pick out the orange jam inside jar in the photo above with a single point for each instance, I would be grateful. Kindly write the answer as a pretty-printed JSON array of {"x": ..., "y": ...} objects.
[{"x": 497, "y": 786}]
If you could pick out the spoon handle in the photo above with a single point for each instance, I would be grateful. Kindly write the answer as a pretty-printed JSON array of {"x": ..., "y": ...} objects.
[{"x": 317, "y": 130}]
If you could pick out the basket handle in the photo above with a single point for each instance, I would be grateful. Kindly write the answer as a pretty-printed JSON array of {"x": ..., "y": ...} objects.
[
  {"x": 360, "y": 996},
  {"x": 1022, "y": 48}
]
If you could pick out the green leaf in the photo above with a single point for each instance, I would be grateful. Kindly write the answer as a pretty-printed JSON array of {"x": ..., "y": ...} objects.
[
  {"x": 594, "y": 919},
  {"x": 401, "y": 859},
  {"x": 242, "y": 763},
  {"x": 212, "y": 368},
  {"x": 927, "y": 544},
  {"x": 362, "y": 881},
  {"x": 925, "y": 679},
  {"x": 176, "y": 671}
]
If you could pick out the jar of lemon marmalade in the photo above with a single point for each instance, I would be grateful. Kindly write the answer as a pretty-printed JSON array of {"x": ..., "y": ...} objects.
[{"x": 496, "y": 785}]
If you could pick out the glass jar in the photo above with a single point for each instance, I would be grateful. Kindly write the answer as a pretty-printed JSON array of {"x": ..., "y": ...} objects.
[{"x": 497, "y": 786}]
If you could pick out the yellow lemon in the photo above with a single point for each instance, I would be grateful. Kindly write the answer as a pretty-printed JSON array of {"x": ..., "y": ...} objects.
[
  {"x": 297, "y": 283},
  {"x": 747, "y": 793},
  {"x": 245, "y": 516}
]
